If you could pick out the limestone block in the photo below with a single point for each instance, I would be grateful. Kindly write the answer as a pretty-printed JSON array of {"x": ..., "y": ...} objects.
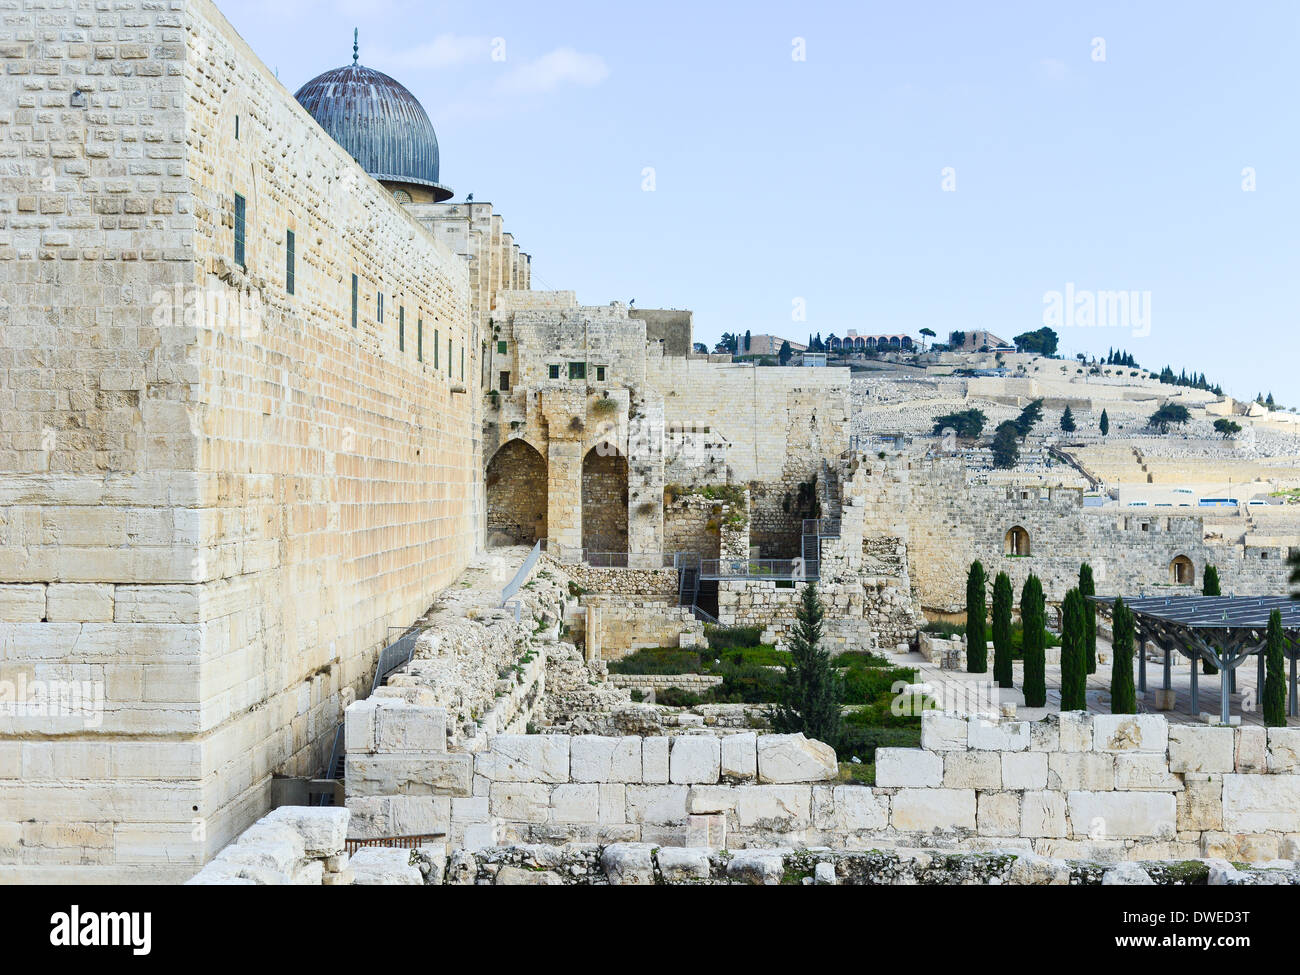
[
  {"x": 525, "y": 758},
  {"x": 1076, "y": 731},
  {"x": 419, "y": 815},
  {"x": 575, "y": 803},
  {"x": 78, "y": 603},
  {"x": 929, "y": 810},
  {"x": 613, "y": 803},
  {"x": 410, "y": 773},
  {"x": 1241, "y": 847},
  {"x": 1145, "y": 772},
  {"x": 1122, "y": 815},
  {"x": 469, "y": 809},
  {"x": 1200, "y": 804},
  {"x": 654, "y": 760},
  {"x": 520, "y": 802},
  {"x": 740, "y": 757},
  {"x": 374, "y": 866},
  {"x": 707, "y": 831},
  {"x": 1252, "y": 749},
  {"x": 941, "y": 731},
  {"x": 1091, "y": 771},
  {"x": 998, "y": 736},
  {"x": 824, "y": 874},
  {"x": 1283, "y": 749},
  {"x": 1032, "y": 870},
  {"x": 271, "y": 832},
  {"x": 909, "y": 767},
  {"x": 402, "y": 727},
  {"x": 267, "y": 854},
  {"x": 1126, "y": 874},
  {"x": 778, "y": 808},
  {"x": 1042, "y": 814},
  {"x": 756, "y": 867},
  {"x": 359, "y": 727},
  {"x": 849, "y": 808},
  {"x": 479, "y": 836},
  {"x": 597, "y": 759},
  {"x": 323, "y": 828},
  {"x": 794, "y": 758},
  {"x": 1130, "y": 732},
  {"x": 628, "y": 864},
  {"x": 369, "y": 817},
  {"x": 310, "y": 873},
  {"x": 1261, "y": 803},
  {"x": 1024, "y": 770},
  {"x": 1045, "y": 735},
  {"x": 512, "y": 876},
  {"x": 694, "y": 759},
  {"x": 683, "y": 865},
  {"x": 972, "y": 770},
  {"x": 22, "y": 604},
  {"x": 656, "y": 804},
  {"x": 705, "y": 799},
  {"x": 998, "y": 814},
  {"x": 1199, "y": 748}
]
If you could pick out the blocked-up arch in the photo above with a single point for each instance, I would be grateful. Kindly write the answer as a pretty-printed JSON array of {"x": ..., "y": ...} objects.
[
  {"x": 516, "y": 493},
  {"x": 1016, "y": 541},
  {"x": 1181, "y": 571},
  {"x": 604, "y": 499}
]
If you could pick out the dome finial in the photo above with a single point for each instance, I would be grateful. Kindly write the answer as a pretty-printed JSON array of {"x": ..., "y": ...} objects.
[{"x": 355, "y": 45}]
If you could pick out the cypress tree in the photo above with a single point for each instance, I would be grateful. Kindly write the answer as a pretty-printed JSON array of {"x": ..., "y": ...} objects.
[
  {"x": 1088, "y": 588},
  {"x": 1074, "y": 654},
  {"x": 1032, "y": 611},
  {"x": 1274, "y": 677},
  {"x": 1123, "y": 697},
  {"x": 1209, "y": 587},
  {"x": 811, "y": 691},
  {"x": 1002, "y": 651},
  {"x": 1105, "y": 423},
  {"x": 977, "y": 652}
]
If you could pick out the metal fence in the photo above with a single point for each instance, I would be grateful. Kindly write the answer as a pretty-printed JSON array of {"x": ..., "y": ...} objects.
[
  {"x": 762, "y": 570},
  {"x": 410, "y": 842},
  {"x": 628, "y": 560}
]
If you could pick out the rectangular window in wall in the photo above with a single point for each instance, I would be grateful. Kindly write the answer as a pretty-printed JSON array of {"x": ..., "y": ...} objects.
[
  {"x": 379, "y": 304},
  {"x": 449, "y": 356},
  {"x": 462, "y": 363},
  {"x": 289, "y": 244},
  {"x": 577, "y": 370},
  {"x": 600, "y": 374},
  {"x": 501, "y": 348},
  {"x": 354, "y": 301},
  {"x": 240, "y": 214},
  {"x": 401, "y": 329},
  {"x": 505, "y": 382},
  {"x": 419, "y": 340},
  {"x": 236, "y": 127},
  {"x": 435, "y": 348},
  {"x": 553, "y": 371}
]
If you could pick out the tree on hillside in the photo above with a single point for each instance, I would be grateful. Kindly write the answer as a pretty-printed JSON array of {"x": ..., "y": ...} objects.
[
  {"x": 1074, "y": 655},
  {"x": 1274, "y": 674},
  {"x": 1002, "y": 650},
  {"x": 1209, "y": 587},
  {"x": 968, "y": 424},
  {"x": 1168, "y": 415},
  {"x": 1088, "y": 588},
  {"x": 746, "y": 340},
  {"x": 1104, "y": 425},
  {"x": 785, "y": 354},
  {"x": 1042, "y": 341},
  {"x": 1031, "y": 414},
  {"x": 1006, "y": 445},
  {"x": 977, "y": 656},
  {"x": 1228, "y": 428},
  {"x": 1034, "y": 642},
  {"x": 811, "y": 690},
  {"x": 1123, "y": 696},
  {"x": 1067, "y": 420},
  {"x": 926, "y": 333}
]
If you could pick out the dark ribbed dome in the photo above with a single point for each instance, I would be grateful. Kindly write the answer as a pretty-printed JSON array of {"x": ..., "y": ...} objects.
[{"x": 379, "y": 123}]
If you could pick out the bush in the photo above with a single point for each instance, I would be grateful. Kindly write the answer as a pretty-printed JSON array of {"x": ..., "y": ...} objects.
[
  {"x": 677, "y": 697},
  {"x": 863, "y": 741},
  {"x": 659, "y": 660},
  {"x": 747, "y": 684},
  {"x": 866, "y": 685},
  {"x": 723, "y": 637}
]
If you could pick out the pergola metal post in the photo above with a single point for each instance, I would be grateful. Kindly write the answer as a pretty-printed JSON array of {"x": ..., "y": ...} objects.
[
  {"x": 1169, "y": 670},
  {"x": 1225, "y": 687},
  {"x": 1142, "y": 666},
  {"x": 1196, "y": 690},
  {"x": 1291, "y": 701}
]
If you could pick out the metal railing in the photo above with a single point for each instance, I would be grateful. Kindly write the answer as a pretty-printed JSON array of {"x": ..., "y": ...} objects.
[
  {"x": 514, "y": 585},
  {"x": 763, "y": 570},
  {"x": 822, "y": 527},
  {"x": 628, "y": 560},
  {"x": 411, "y": 842}
]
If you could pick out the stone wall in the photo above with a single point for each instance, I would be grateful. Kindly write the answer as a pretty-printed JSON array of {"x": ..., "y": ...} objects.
[
  {"x": 223, "y": 494},
  {"x": 618, "y": 625}
]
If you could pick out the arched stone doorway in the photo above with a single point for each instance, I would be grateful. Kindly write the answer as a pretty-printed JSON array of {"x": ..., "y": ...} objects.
[
  {"x": 604, "y": 500},
  {"x": 1016, "y": 542},
  {"x": 516, "y": 494},
  {"x": 1182, "y": 572}
]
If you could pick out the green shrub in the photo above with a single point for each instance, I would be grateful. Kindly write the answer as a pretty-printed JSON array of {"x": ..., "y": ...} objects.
[
  {"x": 659, "y": 660},
  {"x": 866, "y": 685},
  {"x": 863, "y": 741},
  {"x": 677, "y": 697},
  {"x": 724, "y": 637}
]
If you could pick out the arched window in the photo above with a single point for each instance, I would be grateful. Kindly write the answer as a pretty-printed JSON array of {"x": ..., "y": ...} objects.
[
  {"x": 1016, "y": 542},
  {"x": 516, "y": 494},
  {"x": 1182, "y": 572}
]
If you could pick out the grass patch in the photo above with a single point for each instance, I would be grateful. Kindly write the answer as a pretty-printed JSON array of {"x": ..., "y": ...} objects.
[{"x": 858, "y": 773}]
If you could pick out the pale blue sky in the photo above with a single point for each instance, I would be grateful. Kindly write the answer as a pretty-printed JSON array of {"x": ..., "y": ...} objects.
[{"x": 821, "y": 180}]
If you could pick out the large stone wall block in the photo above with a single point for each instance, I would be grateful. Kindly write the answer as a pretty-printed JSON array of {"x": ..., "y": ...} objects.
[
  {"x": 597, "y": 759},
  {"x": 525, "y": 758},
  {"x": 1130, "y": 732},
  {"x": 1122, "y": 815},
  {"x": 794, "y": 758},
  {"x": 1200, "y": 748},
  {"x": 998, "y": 736},
  {"x": 694, "y": 759},
  {"x": 932, "y": 810},
  {"x": 740, "y": 757},
  {"x": 910, "y": 767}
]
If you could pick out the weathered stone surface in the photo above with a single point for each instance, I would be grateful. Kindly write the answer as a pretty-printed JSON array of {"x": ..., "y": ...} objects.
[
  {"x": 576, "y": 802},
  {"x": 1024, "y": 770},
  {"x": 403, "y": 727},
  {"x": 929, "y": 810},
  {"x": 1036, "y": 870},
  {"x": 794, "y": 758},
  {"x": 779, "y": 808},
  {"x": 525, "y": 758},
  {"x": 628, "y": 863},
  {"x": 1076, "y": 731},
  {"x": 1144, "y": 771},
  {"x": 694, "y": 759},
  {"x": 654, "y": 760},
  {"x": 998, "y": 813},
  {"x": 1198, "y": 748},
  {"x": 942, "y": 731},
  {"x": 972, "y": 770},
  {"x": 1042, "y": 814},
  {"x": 1261, "y": 803},
  {"x": 683, "y": 865},
  {"x": 1284, "y": 749},
  {"x": 656, "y": 804},
  {"x": 1122, "y": 815},
  {"x": 1240, "y": 847},
  {"x": 999, "y": 736},
  {"x": 849, "y": 808},
  {"x": 322, "y": 828},
  {"x": 740, "y": 758},
  {"x": 1252, "y": 749},
  {"x": 1126, "y": 874},
  {"x": 1200, "y": 804},
  {"x": 707, "y": 832},
  {"x": 512, "y": 876},
  {"x": 409, "y": 773},
  {"x": 597, "y": 759},
  {"x": 520, "y": 802},
  {"x": 1130, "y": 732},
  {"x": 1092, "y": 771},
  {"x": 378, "y": 866},
  {"x": 909, "y": 767},
  {"x": 756, "y": 867}
]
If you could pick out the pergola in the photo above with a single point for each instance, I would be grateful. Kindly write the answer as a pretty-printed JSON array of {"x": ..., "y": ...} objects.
[{"x": 1223, "y": 630}]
